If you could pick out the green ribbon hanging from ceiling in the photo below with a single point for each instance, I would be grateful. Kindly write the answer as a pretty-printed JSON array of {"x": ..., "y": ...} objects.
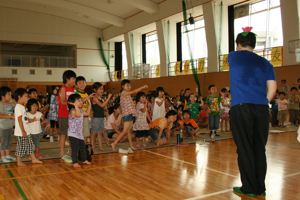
[
  {"x": 132, "y": 49},
  {"x": 167, "y": 38},
  {"x": 189, "y": 47},
  {"x": 106, "y": 62}
]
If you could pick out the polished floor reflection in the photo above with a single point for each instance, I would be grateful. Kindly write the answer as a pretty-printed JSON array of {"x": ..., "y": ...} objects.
[{"x": 196, "y": 171}]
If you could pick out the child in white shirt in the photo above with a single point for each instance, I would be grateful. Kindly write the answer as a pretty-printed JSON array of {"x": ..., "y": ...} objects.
[
  {"x": 159, "y": 109},
  {"x": 22, "y": 130},
  {"x": 35, "y": 125},
  {"x": 282, "y": 109}
]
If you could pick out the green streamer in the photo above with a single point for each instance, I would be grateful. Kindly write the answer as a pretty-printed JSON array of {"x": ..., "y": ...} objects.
[
  {"x": 132, "y": 49},
  {"x": 103, "y": 57},
  {"x": 190, "y": 49},
  {"x": 220, "y": 33},
  {"x": 168, "y": 43}
]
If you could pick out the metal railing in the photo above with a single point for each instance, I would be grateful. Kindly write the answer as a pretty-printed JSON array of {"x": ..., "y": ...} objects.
[{"x": 37, "y": 61}]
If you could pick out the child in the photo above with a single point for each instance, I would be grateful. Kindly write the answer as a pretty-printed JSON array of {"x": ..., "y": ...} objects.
[
  {"x": 188, "y": 125},
  {"x": 81, "y": 85},
  {"x": 168, "y": 104},
  {"x": 159, "y": 105},
  {"x": 274, "y": 104},
  {"x": 157, "y": 127},
  {"x": 35, "y": 125},
  {"x": 128, "y": 112},
  {"x": 7, "y": 123},
  {"x": 75, "y": 129},
  {"x": 32, "y": 93},
  {"x": 53, "y": 115},
  {"x": 65, "y": 91},
  {"x": 213, "y": 101},
  {"x": 22, "y": 131},
  {"x": 98, "y": 116},
  {"x": 193, "y": 106},
  {"x": 294, "y": 101},
  {"x": 114, "y": 123},
  {"x": 282, "y": 109},
  {"x": 141, "y": 126},
  {"x": 285, "y": 88},
  {"x": 150, "y": 105},
  {"x": 225, "y": 107},
  {"x": 202, "y": 119}
]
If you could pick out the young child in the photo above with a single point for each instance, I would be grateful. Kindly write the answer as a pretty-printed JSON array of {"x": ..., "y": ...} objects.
[
  {"x": 53, "y": 115},
  {"x": 168, "y": 104},
  {"x": 150, "y": 105},
  {"x": 157, "y": 127},
  {"x": 98, "y": 116},
  {"x": 7, "y": 123},
  {"x": 193, "y": 106},
  {"x": 128, "y": 112},
  {"x": 274, "y": 104},
  {"x": 80, "y": 87},
  {"x": 282, "y": 109},
  {"x": 159, "y": 109},
  {"x": 141, "y": 127},
  {"x": 188, "y": 125},
  {"x": 225, "y": 107},
  {"x": 213, "y": 101},
  {"x": 202, "y": 119},
  {"x": 65, "y": 91},
  {"x": 294, "y": 101},
  {"x": 35, "y": 125},
  {"x": 32, "y": 94},
  {"x": 75, "y": 129},
  {"x": 22, "y": 131},
  {"x": 114, "y": 123}
]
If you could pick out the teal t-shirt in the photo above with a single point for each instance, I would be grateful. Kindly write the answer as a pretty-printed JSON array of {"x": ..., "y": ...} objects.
[
  {"x": 194, "y": 109},
  {"x": 214, "y": 104}
]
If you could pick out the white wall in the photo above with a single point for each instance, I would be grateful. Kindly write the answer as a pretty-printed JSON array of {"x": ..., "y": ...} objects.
[{"x": 28, "y": 26}]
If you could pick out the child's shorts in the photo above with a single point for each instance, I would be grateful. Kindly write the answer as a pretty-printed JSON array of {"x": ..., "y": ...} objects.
[
  {"x": 97, "y": 125},
  {"x": 86, "y": 127},
  {"x": 36, "y": 140},
  {"x": 110, "y": 133},
  {"x": 54, "y": 123},
  {"x": 141, "y": 133},
  {"x": 24, "y": 146},
  {"x": 63, "y": 126},
  {"x": 281, "y": 116},
  {"x": 225, "y": 115},
  {"x": 128, "y": 118},
  {"x": 154, "y": 134},
  {"x": 5, "y": 137}
]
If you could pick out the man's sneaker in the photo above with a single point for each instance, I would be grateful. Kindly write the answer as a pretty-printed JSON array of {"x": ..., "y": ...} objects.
[
  {"x": 4, "y": 159},
  {"x": 130, "y": 150},
  {"x": 9, "y": 157},
  {"x": 67, "y": 158},
  {"x": 123, "y": 151}
]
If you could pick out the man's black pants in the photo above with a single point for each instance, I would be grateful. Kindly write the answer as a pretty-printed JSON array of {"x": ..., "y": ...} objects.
[{"x": 250, "y": 128}]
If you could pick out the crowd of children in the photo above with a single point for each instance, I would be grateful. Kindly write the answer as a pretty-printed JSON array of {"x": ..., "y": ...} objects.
[{"x": 128, "y": 116}]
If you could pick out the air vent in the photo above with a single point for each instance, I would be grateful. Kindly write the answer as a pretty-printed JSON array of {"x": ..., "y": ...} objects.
[
  {"x": 32, "y": 71},
  {"x": 14, "y": 71},
  {"x": 49, "y": 72}
]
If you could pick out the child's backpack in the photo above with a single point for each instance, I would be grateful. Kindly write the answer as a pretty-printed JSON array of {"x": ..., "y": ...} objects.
[{"x": 89, "y": 153}]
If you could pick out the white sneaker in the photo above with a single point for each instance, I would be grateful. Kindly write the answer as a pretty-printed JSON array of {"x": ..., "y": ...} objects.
[
  {"x": 48, "y": 136},
  {"x": 9, "y": 157},
  {"x": 4, "y": 159},
  {"x": 66, "y": 143},
  {"x": 123, "y": 151},
  {"x": 51, "y": 139},
  {"x": 67, "y": 158},
  {"x": 130, "y": 150}
]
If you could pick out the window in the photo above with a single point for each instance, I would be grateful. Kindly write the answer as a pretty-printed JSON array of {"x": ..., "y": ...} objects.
[
  {"x": 196, "y": 34},
  {"x": 265, "y": 18},
  {"x": 152, "y": 49}
]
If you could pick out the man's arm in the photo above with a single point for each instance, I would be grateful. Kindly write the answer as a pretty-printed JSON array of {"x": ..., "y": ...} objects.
[{"x": 271, "y": 84}]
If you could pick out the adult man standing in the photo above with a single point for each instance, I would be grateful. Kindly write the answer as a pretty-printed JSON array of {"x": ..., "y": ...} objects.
[{"x": 250, "y": 75}]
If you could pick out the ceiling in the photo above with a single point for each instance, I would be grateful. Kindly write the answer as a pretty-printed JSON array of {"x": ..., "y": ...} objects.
[{"x": 97, "y": 13}]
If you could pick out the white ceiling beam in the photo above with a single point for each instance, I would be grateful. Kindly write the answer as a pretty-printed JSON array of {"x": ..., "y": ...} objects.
[
  {"x": 87, "y": 11},
  {"x": 145, "y": 5}
]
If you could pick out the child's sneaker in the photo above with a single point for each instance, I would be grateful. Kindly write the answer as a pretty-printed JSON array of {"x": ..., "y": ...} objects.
[
  {"x": 48, "y": 136},
  {"x": 137, "y": 145},
  {"x": 30, "y": 157},
  {"x": 144, "y": 145},
  {"x": 66, "y": 143},
  {"x": 39, "y": 155},
  {"x": 123, "y": 151},
  {"x": 9, "y": 157},
  {"x": 67, "y": 159},
  {"x": 4, "y": 159},
  {"x": 130, "y": 150}
]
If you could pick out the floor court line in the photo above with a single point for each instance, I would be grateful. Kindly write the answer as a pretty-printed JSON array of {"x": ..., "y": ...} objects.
[{"x": 192, "y": 164}]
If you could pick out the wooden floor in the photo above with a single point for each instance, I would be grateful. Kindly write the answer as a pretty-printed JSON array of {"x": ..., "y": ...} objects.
[{"x": 196, "y": 171}]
